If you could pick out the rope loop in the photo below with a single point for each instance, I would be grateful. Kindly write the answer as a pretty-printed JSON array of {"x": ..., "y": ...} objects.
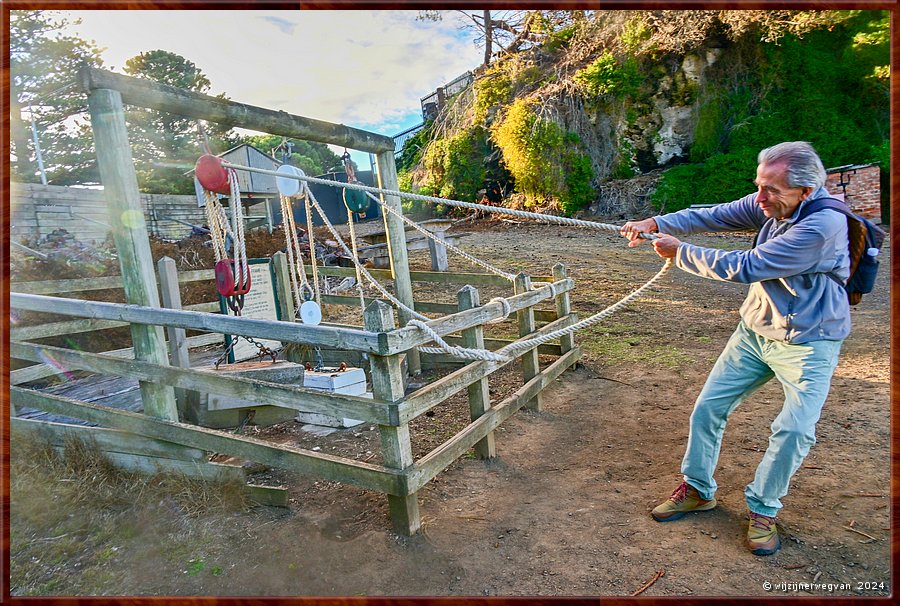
[{"x": 504, "y": 305}]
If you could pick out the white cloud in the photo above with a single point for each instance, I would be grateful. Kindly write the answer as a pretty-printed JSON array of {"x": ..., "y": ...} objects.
[{"x": 361, "y": 68}]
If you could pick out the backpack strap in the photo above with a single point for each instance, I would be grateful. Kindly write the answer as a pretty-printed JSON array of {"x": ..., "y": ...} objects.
[
  {"x": 815, "y": 206},
  {"x": 822, "y": 204}
]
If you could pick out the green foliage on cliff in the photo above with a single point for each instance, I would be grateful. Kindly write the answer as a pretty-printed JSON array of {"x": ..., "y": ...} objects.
[
  {"x": 606, "y": 75},
  {"x": 828, "y": 88},
  {"x": 544, "y": 159}
]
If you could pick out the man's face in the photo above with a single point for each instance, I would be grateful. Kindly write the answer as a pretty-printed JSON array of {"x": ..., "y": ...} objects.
[{"x": 776, "y": 198}]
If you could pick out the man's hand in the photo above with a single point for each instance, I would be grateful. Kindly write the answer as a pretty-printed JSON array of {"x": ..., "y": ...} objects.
[
  {"x": 666, "y": 246},
  {"x": 633, "y": 229}
]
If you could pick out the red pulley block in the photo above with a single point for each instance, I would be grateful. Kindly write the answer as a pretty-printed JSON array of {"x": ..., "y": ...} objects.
[
  {"x": 212, "y": 175},
  {"x": 225, "y": 282}
]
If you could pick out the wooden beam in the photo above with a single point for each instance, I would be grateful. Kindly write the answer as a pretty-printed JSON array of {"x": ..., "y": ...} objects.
[
  {"x": 178, "y": 346},
  {"x": 56, "y": 329},
  {"x": 146, "y": 93},
  {"x": 396, "y": 241},
  {"x": 129, "y": 230},
  {"x": 531, "y": 365},
  {"x": 479, "y": 392},
  {"x": 42, "y": 371},
  {"x": 408, "y": 337},
  {"x": 285, "y": 296},
  {"x": 49, "y": 287},
  {"x": 396, "y": 449},
  {"x": 344, "y": 338},
  {"x": 563, "y": 308},
  {"x": 365, "y": 475},
  {"x": 264, "y": 392},
  {"x": 108, "y": 440},
  {"x": 429, "y": 276},
  {"x": 429, "y": 466},
  {"x": 424, "y": 399}
]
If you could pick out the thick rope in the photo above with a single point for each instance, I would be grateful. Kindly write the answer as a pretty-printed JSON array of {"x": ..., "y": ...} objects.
[
  {"x": 449, "y": 202},
  {"x": 359, "y": 266},
  {"x": 359, "y": 283},
  {"x": 450, "y": 247},
  {"x": 508, "y": 352},
  {"x": 299, "y": 283},
  {"x": 311, "y": 238},
  {"x": 239, "y": 248}
]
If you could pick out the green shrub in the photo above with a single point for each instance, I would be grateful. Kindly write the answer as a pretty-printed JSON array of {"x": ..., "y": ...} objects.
[
  {"x": 494, "y": 87},
  {"x": 606, "y": 76},
  {"x": 545, "y": 161}
]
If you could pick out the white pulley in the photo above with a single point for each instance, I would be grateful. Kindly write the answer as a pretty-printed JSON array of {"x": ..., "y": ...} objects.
[
  {"x": 310, "y": 313},
  {"x": 287, "y": 186}
]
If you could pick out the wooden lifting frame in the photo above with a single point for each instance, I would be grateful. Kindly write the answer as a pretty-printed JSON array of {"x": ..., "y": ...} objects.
[{"x": 399, "y": 476}]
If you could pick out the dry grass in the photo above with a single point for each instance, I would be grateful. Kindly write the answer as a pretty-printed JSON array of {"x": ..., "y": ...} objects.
[{"x": 73, "y": 515}]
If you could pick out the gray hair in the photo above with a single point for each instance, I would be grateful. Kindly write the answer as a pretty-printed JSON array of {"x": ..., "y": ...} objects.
[{"x": 804, "y": 167}]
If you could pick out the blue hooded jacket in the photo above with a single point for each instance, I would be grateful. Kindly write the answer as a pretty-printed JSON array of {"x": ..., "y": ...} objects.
[{"x": 791, "y": 298}]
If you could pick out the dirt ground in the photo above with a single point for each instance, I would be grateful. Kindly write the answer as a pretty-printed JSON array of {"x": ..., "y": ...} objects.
[{"x": 564, "y": 508}]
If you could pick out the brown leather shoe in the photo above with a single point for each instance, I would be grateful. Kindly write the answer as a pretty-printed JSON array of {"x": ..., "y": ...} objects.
[
  {"x": 762, "y": 535},
  {"x": 684, "y": 500}
]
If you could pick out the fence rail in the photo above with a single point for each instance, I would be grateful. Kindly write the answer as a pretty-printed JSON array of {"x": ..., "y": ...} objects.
[{"x": 400, "y": 476}]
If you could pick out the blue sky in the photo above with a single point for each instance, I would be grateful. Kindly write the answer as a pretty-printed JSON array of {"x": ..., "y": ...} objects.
[{"x": 366, "y": 69}]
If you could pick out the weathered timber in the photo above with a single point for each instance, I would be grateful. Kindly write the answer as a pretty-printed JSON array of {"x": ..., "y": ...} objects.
[
  {"x": 478, "y": 392},
  {"x": 396, "y": 449},
  {"x": 108, "y": 440},
  {"x": 531, "y": 366},
  {"x": 429, "y": 466},
  {"x": 178, "y": 347},
  {"x": 425, "y": 398},
  {"x": 270, "y": 496},
  {"x": 285, "y": 297},
  {"x": 42, "y": 371},
  {"x": 50, "y": 287},
  {"x": 408, "y": 337},
  {"x": 396, "y": 241},
  {"x": 129, "y": 231},
  {"x": 267, "y": 329},
  {"x": 429, "y": 276},
  {"x": 563, "y": 308},
  {"x": 420, "y": 306},
  {"x": 264, "y": 392},
  {"x": 56, "y": 329},
  {"x": 438, "y": 251},
  {"x": 145, "y": 93},
  {"x": 365, "y": 475}
]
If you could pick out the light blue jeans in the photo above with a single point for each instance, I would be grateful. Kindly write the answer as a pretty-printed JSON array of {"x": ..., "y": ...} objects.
[{"x": 747, "y": 362}]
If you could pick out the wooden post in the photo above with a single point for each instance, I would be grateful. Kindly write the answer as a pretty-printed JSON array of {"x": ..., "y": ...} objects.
[
  {"x": 178, "y": 348},
  {"x": 396, "y": 450},
  {"x": 563, "y": 308},
  {"x": 438, "y": 252},
  {"x": 129, "y": 229},
  {"x": 284, "y": 293},
  {"x": 479, "y": 393},
  {"x": 396, "y": 241},
  {"x": 530, "y": 364}
]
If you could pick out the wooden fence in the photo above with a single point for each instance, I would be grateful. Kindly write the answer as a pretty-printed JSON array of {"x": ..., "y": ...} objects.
[{"x": 399, "y": 476}]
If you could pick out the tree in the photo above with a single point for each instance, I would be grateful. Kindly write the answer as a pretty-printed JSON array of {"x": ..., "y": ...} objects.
[
  {"x": 165, "y": 145},
  {"x": 43, "y": 64},
  {"x": 510, "y": 31}
]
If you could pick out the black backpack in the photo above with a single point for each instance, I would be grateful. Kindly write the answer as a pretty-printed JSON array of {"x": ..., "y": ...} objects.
[{"x": 865, "y": 240}]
